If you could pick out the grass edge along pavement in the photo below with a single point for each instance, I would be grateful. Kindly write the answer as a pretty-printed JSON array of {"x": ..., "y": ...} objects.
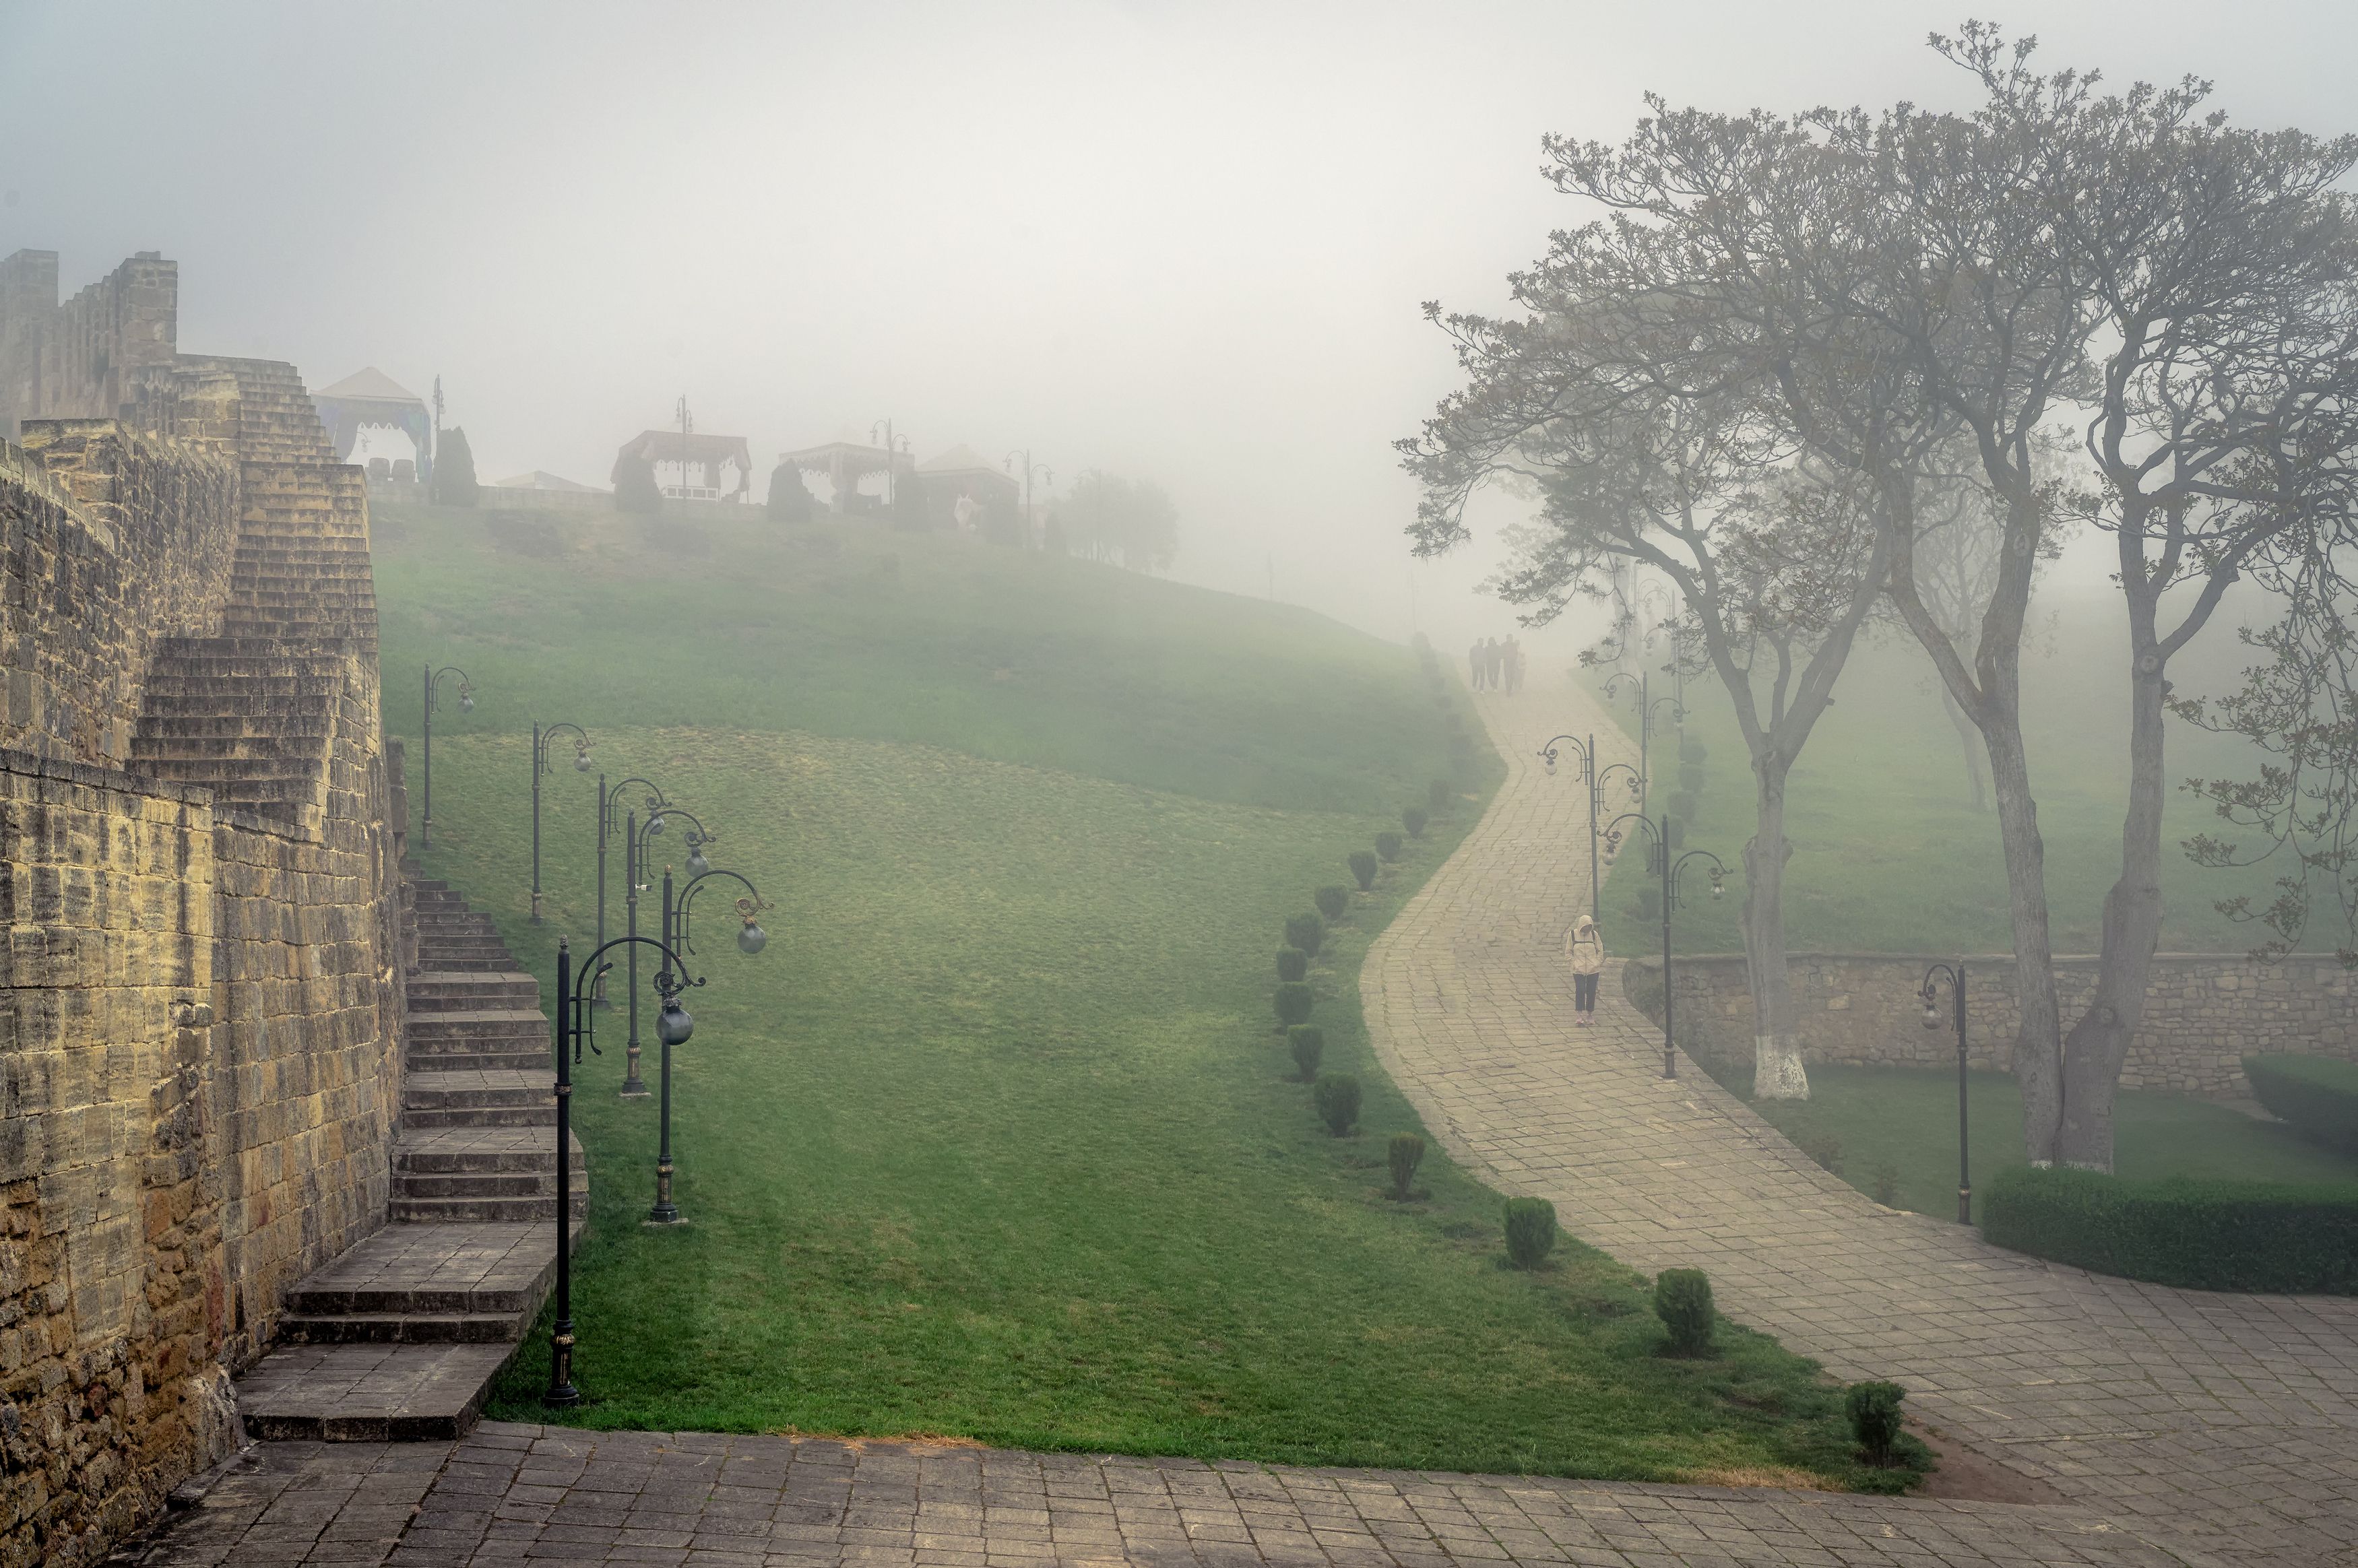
[{"x": 1581, "y": 1284}]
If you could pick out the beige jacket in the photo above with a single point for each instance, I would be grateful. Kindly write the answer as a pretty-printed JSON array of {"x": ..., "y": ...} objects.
[{"x": 1585, "y": 945}]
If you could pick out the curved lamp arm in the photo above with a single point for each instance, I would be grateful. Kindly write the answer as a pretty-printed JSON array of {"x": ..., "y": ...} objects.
[
  {"x": 1579, "y": 749},
  {"x": 466, "y": 687},
  {"x": 750, "y": 939},
  {"x": 670, "y": 981},
  {"x": 581, "y": 747},
  {"x": 1637, "y": 784},
  {"x": 1612, "y": 828},
  {"x": 606, "y": 812},
  {"x": 1718, "y": 873}
]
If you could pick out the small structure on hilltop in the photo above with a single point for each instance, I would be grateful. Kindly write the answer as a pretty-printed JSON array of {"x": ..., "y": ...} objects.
[
  {"x": 371, "y": 400},
  {"x": 846, "y": 465},
  {"x": 693, "y": 467},
  {"x": 962, "y": 490},
  {"x": 540, "y": 479}
]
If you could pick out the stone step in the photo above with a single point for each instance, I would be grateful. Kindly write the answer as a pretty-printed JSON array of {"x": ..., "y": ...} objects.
[
  {"x": 481, "y": 1151},
  {"x": 489, "y": 964},
  {"x": 511, "y": 1058},
  {"x": 477, "y": 1096},
  {"x": 369, "y": 1392},
  {"x": 397, "y": 1328},
  {"x": 443, "y": 990},
  {"x": 481, "y": 1210}
]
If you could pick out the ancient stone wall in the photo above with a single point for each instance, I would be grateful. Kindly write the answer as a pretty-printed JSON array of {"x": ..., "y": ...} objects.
[
  {"x": 81, "y": 360},
  {"x": 109, "y": 541},
  {"x": 200, "y": 1006},
  {"x": 112, "y": 1289},
  {"x": 2204, "y": 1013}
]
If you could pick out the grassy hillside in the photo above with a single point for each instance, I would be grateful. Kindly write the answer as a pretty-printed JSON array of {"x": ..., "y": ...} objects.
[
  {"x": 996, "y": 1138},
  {"x": 1889, "y": 855}
]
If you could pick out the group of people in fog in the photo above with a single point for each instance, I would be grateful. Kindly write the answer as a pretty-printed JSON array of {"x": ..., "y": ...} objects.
[{"x": 1493, "y": 666}]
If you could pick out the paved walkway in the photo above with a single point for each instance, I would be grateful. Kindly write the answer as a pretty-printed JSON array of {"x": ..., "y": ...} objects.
[
  {"x": 2226, "y": 1423},
  {"x": 522, "y": 1495}
]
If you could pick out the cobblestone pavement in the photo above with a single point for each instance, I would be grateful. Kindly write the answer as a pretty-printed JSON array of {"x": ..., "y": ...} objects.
[
  {"x": 2225, "y": 1424},
  {"x": 522, "y": 1495}
]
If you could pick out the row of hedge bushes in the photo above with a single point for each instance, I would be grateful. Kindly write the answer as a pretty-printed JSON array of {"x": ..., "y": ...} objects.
[
  {"x": 2275, "y": 1238},
  {"x": 2317, "y": 1096}
]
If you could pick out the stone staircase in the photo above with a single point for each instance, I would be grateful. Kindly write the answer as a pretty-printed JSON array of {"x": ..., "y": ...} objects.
[{"x": 400, "y": 1338}]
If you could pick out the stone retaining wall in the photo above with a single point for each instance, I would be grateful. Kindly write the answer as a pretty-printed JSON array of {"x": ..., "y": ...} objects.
[{"x": 2204, "y": 1013}]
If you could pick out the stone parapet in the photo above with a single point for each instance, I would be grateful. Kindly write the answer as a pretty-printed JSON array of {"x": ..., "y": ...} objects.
[{"x": 2204, "y": 1013}]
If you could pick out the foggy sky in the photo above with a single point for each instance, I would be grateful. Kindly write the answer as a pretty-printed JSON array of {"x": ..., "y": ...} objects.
[{"x": 1183, "y": 242}]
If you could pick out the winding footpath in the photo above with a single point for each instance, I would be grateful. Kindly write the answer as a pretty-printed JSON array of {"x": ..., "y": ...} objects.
[
  {"x": 2182, "y": 1428},
  {"x": 2224, "y": 1427}
]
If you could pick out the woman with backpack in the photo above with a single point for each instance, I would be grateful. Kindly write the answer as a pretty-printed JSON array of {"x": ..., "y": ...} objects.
[{"x": 1583, "y": 944}]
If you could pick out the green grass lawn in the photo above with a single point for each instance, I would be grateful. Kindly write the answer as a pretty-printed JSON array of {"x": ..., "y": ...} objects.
[
  {"x": 996, "y": 1138},
  {"x": 1889, "y": 854},
  {"x": 1901, "y": 1123}
]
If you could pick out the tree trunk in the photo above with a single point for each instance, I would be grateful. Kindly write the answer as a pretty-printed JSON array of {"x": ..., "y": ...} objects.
[
  {"x": 1777, "y": 1070},
  {"x": 1971, "y": 740},
  {"x": 2038, "y": 1065},
  {"x": 2099, "y": 1042}
]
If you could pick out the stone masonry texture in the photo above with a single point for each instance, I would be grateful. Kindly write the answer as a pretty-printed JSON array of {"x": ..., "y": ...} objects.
[
  {"x": 199, "y": 996},
  {"x": 2204, "y": 1013}
]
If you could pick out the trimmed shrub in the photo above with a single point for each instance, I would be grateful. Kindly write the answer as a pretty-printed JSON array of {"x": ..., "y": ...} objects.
[
  {"x": 1294, "y": 1002},
  {"x": 1332, "y": 901},
  {"x": 1531, "y": 1231},
  {"x": 2270, "y": 1236},
  {"x": 1692, "y": 750},
  {"x": 2317, "y": 1096},
  {"x": 1453, "y": 722},
  {"x": 1306, "y": 931},
  {"x": 1885, "y": 1186},
  {"x": 454, "y": 471},
  {"x": 1682, "y": 805},
  {"x": 1821, "y": 1145},
  {"x": 1650, "y": 903},
  {"x": 1461, "y": 746},
  {"x": 1403, "y": 1154},
  {"x": 1337, "y": 1095},
  {"x": 1690, "y": 778},
  {"x": 1307, "y": 1044},
  {"x": 1388, "y": 845},
  {"x": 1413, "y": 818},
  {"x": 1292, "y": 963},
  {"x": 1363, "y": 868},
  {"x": 1683, "y": 1301},
  {"x": 1438, "y": 794},
  {"x": 789, "y": 498},
  {"x": 1874, "y": 1409},
  {"x": 1674, "y": 833}
]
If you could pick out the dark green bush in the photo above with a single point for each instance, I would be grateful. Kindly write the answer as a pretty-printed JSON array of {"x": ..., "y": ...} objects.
[
  {"x": 1332, "y": 901},
  {"x": 1306, "y": 931},
  {"x": 1885, "y": 1189},
  {"x": 1682, "y": 807},
  {"x": 1388, "y": 845},
  {"x": 1692, "y": 750},
  {"x": 1307, "y": 1042},
  {"x": 1691, "y": 778},
  {"x": 1674, "y": 832},
  {"x": 2317, "y": 1096},
  {"x": 1453, "y": 722},
  {"x": 2271, "y": 1237},
  {"x": 1294, "y": 1002},
  {"x": 1337, "y": 1095},
  {"x": 1292, "y": 963},
  {"x": 1363, "y": 868},
  {"x": 1874, "y": 1409},
  {"x": 1461, "y": 746},
  {"x": 1438, "y": 794},
  {"x": 1403, "y": 1154},
  {"x": 1683, "y": 1301},
  {"x": 1650, "y": 903},
  {"x": 1531, "y": 1231},
  {"x": 1413, "y": 818}
]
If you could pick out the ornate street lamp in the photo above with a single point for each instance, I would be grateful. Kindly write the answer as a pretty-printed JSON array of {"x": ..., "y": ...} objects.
[
  {"x": 1047, "y": 477},
  {"x": 609, "y": 819},
  {"x": 750, "y": 939},
  {"x": 1954, "y": 974},
  {"x": 466, "y": 705},
  {"x": 1641, "y": 686},
  {"x": 1595, "y": 780},
  {"x": 540, "y": 739},
  {"x": 635, "y": 835},
  {"x": 1659, "y": 858},
  {"x": 576, "y": 1027}
]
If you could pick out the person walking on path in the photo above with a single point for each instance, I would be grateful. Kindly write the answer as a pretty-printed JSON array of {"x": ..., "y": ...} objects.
[
  {"x": 1474, "y": 664},
  {"x": 1585, "y": 945}
]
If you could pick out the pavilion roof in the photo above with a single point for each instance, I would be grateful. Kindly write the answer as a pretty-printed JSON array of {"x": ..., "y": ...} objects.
[
  {"x": 857, "y": 457},
  {"x": 370, "y": 385},
  {"x": 671, "y": 446},
  {"x": 960, "y": 459}
]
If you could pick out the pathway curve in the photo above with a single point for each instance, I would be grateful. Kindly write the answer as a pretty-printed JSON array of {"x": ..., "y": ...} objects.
[{"x": 2226, "y": 1424}]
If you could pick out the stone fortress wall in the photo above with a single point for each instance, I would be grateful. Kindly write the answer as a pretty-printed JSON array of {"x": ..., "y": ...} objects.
[
  {"x": 200, "y": 1005},
  {"x": 2204, "y": 1013}
]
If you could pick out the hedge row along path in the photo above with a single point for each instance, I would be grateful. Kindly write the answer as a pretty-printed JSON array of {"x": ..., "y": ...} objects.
[{"x": 2220, "y": 1428}]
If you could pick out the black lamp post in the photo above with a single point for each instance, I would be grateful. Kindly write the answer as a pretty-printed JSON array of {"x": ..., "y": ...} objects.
[
  {"x": 1931, "y": 991},
  {"x": 750, "y": 939},
  {"x": 610, "y": 818},
  {"x": 1031, "y": 469},
  {"x": 1658, "y": 858},
  {"x": 1643, "y": 685},
  {"x": 576, "y": 1029},
  {"x": 540, "y": 739},
  {"x": 1590, "y": 775},
  {"x": 466, "y": 705},
  {"x": 635, "y": 835}
]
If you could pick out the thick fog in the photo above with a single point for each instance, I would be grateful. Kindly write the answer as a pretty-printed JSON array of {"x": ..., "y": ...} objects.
[{"x": 1185, "y": 243}]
